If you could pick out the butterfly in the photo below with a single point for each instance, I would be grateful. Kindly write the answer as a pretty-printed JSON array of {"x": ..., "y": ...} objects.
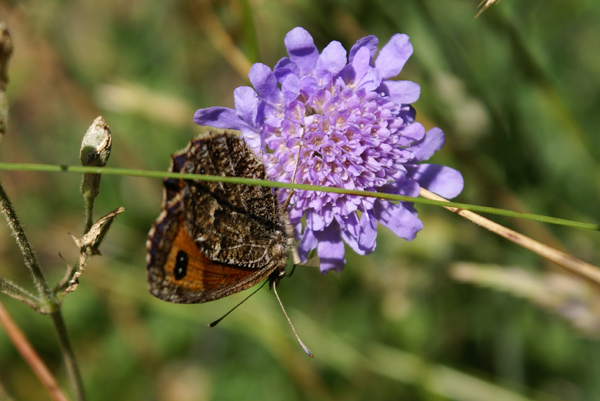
[{"x": 214, "y": 239}]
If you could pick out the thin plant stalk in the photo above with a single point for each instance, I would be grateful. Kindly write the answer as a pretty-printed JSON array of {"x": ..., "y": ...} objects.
[
  {"x": 277, "y": 184},
  {"x": 29, "y": 257},
  {"x": 31, "y": 357},
  {"x": 20, "y": 294},
  {"x": 69, "y": 355},
  {"x": 88, "y": 213},
  {"x": 49, "y": 301},
  {"x": 569, "y": 262}
]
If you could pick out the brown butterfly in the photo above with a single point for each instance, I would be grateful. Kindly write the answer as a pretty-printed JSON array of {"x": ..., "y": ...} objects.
[{"x": 214, "y": 239}]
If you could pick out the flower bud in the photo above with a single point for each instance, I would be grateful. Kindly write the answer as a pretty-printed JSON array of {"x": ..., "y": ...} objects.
[
  {"x": 95, "y": 151},
  {"x": 96, "y": 144}
]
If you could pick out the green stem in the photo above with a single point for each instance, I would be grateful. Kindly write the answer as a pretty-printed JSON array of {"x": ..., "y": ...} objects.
[
  {"x": 30, "y": 261},
  {"x": 274, "y": 184},
  {"x": 68, "y": 355},
  {"x": 88, "y": 212},
  {"x": 49, "y": 301},
  {"x": 13, "y": 290}
]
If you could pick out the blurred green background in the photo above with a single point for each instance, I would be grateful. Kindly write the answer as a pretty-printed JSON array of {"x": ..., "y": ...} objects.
[{"x": 457, "y": 314}]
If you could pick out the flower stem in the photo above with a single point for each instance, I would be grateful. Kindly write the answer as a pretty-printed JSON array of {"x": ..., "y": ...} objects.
[
  {"x": 569, "y": 262},
  {"x": 88, "y": 211},
  {"x": 31, "y": 357},
  {"x": 68, "y": 355},
  {"x": 30, "y": 261}
]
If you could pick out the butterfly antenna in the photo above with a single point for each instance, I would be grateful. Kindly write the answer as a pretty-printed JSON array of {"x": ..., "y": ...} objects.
[
  {"x": 213, "y": 324},
  {"x": 304, "y": 347},
  {"x": 292, "y": 272}
]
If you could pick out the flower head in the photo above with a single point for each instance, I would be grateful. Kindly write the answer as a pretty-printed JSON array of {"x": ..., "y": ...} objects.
[{"x": 333, "y": 119}]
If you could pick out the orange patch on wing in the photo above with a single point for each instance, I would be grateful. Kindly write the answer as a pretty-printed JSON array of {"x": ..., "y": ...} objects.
[{"x": 202, "y": 274}]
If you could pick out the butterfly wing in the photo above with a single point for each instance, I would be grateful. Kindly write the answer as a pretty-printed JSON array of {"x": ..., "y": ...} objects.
[{"x": 179, "y": 272}]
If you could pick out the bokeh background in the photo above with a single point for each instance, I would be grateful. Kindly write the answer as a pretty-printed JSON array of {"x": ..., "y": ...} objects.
[{"x": 457, "y": 314}]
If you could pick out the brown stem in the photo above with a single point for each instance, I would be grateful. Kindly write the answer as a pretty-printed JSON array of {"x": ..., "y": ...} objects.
[
  {"x": 569, "y": 262},
  {"x": 31, "y": 357}
]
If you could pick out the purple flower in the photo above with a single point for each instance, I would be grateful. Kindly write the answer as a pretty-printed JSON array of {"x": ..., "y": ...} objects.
[{"x": 332, "y": 120}]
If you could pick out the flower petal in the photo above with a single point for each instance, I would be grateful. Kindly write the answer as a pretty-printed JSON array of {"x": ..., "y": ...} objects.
[
  {"x": 220, "y": 117},
  {"x": 364, "y": 77},
  {"x": 360, "y": 63},
  {"x": 296, "y": 214},
  {"x": 401, "y": 218},
  {"x": 308, "y": 242},
  {"x": 309, "y": 85},
  {"x": 368, "y": 235},
  {"x": 408, "y": 113},
  {"x": 223, "y": 117},
  {"x": 331, "y": 61},
  {"x": 285, "y": 67},
  {"x": 264, "y": 81},
  {"x": 370, "y": 42},
  {"x": 393, "y": 56},
  {"x": 350, "y": 229},
  {"x": 442, "y": 180},
  {"x": 402, "y": 92},
  {"x": 254, "y": 140},
  {"x": 413, "y": 133},
  {"x": 432, "y": 142},
  {"x": 331, "y": 249},
  {"x": 290, "y": 88},
  {"x": 404, "y": 186},
  {"x": 315, "y": 221},
  {"x": 302, "y": 50},
  {"x": 246, "y": 104}
]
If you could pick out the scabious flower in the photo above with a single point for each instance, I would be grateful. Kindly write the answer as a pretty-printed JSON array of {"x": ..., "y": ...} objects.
[{"x": 335, "y": 120}]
